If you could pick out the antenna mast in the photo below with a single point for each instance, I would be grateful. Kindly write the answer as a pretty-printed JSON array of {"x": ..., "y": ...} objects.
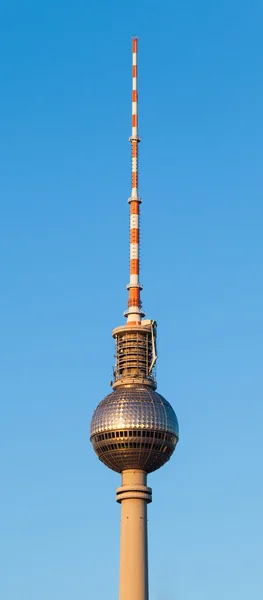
[
  {"x": 134, "y": 312},
  {"x": 136, "y": 340}
]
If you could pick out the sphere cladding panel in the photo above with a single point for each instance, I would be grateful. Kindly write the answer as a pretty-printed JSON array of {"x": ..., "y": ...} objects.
[{"x": 134, "y": 410}]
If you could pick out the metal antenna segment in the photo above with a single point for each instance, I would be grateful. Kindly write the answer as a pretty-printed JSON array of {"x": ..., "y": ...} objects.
[{"x": 134, "y": 312}]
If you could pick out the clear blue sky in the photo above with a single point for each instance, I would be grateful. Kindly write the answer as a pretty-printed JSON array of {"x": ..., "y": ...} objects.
[{"x": 65, "y": 81}]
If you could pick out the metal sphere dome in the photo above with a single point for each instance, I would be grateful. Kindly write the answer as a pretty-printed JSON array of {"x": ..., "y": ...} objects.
[{"x": 134, "y": 427}]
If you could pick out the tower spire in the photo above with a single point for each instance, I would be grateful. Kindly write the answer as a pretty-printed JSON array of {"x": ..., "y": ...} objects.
[
  {"x": 134, "y": 312},
  {"x": 134, "y": 430}
]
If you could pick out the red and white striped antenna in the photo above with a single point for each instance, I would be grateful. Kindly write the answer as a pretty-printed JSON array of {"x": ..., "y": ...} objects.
[{"x": 134, "y": 312}]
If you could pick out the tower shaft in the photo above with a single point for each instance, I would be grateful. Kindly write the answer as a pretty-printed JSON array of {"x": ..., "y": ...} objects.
[{"x": 134, "y": 496}]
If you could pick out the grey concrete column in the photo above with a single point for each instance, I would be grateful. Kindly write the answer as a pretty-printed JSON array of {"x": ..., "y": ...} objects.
[{"x": 134, "y": 495}]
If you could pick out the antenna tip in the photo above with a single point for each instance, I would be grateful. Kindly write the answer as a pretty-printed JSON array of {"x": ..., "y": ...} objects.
[{"x": 134, "y": 44}]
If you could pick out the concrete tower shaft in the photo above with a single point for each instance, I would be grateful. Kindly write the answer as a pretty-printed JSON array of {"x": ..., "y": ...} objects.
[{"x": 134, "y": 495}]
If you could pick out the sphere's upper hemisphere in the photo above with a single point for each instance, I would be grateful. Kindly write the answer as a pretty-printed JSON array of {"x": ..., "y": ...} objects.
[{"x": 134, "y": 428}]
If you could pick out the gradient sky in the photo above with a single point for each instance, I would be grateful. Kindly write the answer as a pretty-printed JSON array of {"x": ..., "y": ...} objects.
[{"x": 65, "y": 82}]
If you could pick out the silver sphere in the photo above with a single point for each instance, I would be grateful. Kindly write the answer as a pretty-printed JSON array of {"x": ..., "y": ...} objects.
[{"x": 134, "y": 428}]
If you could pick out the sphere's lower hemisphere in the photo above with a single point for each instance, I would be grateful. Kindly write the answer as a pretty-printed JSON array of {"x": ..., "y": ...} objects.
[{"x": 134, "y": 428}]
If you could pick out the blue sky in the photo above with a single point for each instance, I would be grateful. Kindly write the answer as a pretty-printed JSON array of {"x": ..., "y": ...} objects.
[{"x": 65, "y": 77}]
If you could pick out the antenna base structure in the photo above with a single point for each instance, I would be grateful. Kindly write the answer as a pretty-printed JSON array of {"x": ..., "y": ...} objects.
[{"x": 135, "y": 354}]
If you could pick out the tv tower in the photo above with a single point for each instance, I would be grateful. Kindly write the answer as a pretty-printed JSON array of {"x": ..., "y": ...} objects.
[{"x": 134, "y": 430}]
